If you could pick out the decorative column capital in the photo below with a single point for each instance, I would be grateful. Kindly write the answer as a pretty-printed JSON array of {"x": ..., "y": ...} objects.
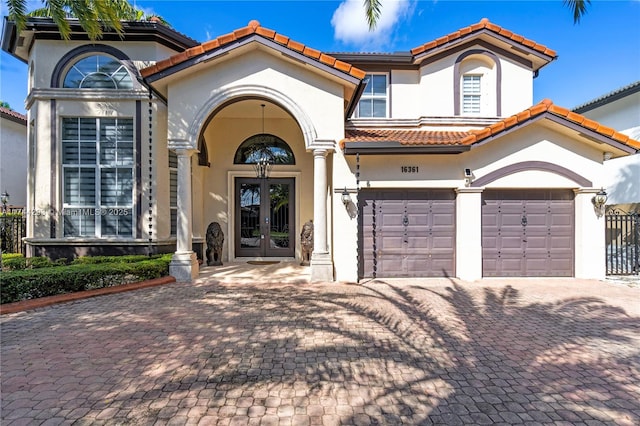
[
  {"x": 182, "y": 146},
  {"x": 322, "y": 146}
]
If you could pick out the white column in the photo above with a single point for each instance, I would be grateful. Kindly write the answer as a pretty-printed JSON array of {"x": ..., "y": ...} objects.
[
  {"x": 321, "y": 264},
  {"x": 184, "y": 263},
  {"x": 590, "y": 245},
  {"x": 320, "y": 201},
  {"x": 469, "y": 233}
]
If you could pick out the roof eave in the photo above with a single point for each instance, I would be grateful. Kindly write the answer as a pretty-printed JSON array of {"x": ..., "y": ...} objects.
[
  {"x": 582, "y": 131},
  {"x": 390, "y": 147},
  {"x": 608, "y": 98},
  {"x": 520, "y": 49},
  {"x": 9, "y": 39},
  {"x": 45, "y": 28}
]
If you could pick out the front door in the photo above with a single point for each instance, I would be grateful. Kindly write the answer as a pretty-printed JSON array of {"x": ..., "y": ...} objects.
[{"x": 264, "y": 217}]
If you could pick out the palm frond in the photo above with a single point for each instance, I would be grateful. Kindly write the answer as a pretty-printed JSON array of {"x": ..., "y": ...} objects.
[
  {"x": 372, "y": 11},
  {"x": 18, "y": 13},
  {"x": 578, "y": 7}
]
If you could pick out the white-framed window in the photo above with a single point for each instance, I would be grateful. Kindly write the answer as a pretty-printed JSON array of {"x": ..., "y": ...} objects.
[
  {"x": 374, "y": 99},
  {"x": 173, "y": 191},
  {"x": 97, "y": 177},
  {"x": 471, "y": 85},
  {"x": 98, "y": 72}
]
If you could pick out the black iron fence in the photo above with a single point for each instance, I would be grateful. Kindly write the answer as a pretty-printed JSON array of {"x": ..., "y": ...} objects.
[
  {"x": 623, "y": 242},
  {"x": 13, "y": 228}
]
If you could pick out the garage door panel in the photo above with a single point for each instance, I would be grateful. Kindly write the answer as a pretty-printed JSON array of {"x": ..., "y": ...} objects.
[
  {"x": 536, "y": 242},
  {"x": 411, "y": 227},
  {"x": 561, "y": 242},
  {"x": 528, "y": 232},
  {"x": 416, "y": 243},
  {"x": 444, "y": 243},
  {"x": 510, "y": 242}
]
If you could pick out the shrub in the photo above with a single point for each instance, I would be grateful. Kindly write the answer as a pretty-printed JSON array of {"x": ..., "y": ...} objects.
[
  {"x": 13, "y": 261},
  {"x": 33, "y": 283},
  {"x": 16, "y": 261}
]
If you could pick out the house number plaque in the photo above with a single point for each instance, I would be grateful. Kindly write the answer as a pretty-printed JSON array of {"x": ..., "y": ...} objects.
[{"x": 409, "y": 169}]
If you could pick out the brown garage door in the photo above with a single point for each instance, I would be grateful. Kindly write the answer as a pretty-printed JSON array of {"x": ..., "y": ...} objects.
[
  {"x": 407, "y": 233},
  {"x": 527, "y": 233}
]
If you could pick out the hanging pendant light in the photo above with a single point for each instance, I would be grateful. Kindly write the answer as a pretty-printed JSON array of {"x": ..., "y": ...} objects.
[{"x": 263, "y": 164}]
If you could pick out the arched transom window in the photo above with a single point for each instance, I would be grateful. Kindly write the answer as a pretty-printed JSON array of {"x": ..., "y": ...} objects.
[
  {"x": 98, "y": 72},
  {"x": 257, "y": 147}
]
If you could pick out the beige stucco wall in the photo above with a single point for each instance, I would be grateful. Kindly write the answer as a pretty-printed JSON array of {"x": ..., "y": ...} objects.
[
  {"x": 622, "y": 175},
  {"x": 313, "y": 101},
  {"x": 46, "y": 54},
  {"x": 13, "y": 161},
  {"x": 46, "y": 176},
  {"x": 433, "y": 96},
  {"x": 214, "y": 186},
  {"x": 533, "y": 143},
  {"x": 258, "y": 74}
]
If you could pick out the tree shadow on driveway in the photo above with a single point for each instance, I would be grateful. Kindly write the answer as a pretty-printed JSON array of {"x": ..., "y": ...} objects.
[{"x": 379, "y": 353}]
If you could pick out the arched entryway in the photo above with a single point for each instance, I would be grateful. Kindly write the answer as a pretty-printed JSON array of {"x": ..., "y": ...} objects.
[{"x": 259, "y": 215}]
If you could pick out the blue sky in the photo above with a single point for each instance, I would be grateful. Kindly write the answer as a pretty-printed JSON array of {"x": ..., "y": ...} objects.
[{"x": 596, "y": 56}]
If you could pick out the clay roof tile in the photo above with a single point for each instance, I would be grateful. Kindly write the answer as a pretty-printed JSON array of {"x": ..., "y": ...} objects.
[
  {"x": 294, "y": 45},
  {"x": 327, "y": 59},
  {"x": 607, "y": 131},
  {"x": 226, "y": 39},
  {"x": 253, "y": 27},
  {"x": 241, "y": 32},
  {"x": 312, "y": 53},
  {"x": 483, "y": 24},
  {"x": 210, "y": 45},
  {"x": 265, "y": 32},
  {"x": 575, "y": 117},
  {"x": 279, "y": 38},
  {"x": 357, "y": 73}
]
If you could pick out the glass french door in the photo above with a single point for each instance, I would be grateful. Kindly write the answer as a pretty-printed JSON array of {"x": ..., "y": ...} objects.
[{"x": 264, "y": 219}]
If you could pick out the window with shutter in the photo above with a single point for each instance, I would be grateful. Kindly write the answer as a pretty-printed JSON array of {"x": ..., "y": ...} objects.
[
  {"x": 471, "y": 94},
  {"x": 98, "y": 177}
]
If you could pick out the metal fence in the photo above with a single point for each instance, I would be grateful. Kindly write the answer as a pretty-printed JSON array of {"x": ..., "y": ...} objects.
[
  {"x": 623, "y": 242},
  {"x": 13, "y": 228}
]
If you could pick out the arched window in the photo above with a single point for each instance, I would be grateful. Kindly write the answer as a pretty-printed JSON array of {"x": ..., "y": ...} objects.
[
  {"x": 477, "y": 84},
  {"x": 98, "y": 72},
  {"x": 257, "y": 147}
]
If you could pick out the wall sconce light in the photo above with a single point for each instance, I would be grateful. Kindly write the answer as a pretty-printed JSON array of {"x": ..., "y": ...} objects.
[
  {"x": 345, "y": 197},
  {"x": 468, "y": 176},
  {"x": 599, "y": 200},
  {"x": 607, "y": 155}
]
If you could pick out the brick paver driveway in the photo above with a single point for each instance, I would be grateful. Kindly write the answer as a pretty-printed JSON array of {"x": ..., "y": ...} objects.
[{"x": 401, "y": 352}]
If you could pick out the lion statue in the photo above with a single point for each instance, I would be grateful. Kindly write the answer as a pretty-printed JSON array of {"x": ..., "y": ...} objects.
[
  {"x": 215, "y": 240},
  {"x": 306, "y": 243}
]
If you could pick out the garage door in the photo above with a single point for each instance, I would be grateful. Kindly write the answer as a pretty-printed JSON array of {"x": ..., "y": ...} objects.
[
  {"x": 407, "y": 233},
  {"x": 527, "y": 233}
]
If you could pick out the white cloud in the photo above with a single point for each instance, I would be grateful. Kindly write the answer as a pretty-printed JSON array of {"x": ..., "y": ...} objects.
[{"x": 350, "y": 23}]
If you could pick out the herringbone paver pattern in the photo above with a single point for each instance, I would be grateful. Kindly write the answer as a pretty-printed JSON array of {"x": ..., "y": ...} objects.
[{"x": 396, "y": 352}]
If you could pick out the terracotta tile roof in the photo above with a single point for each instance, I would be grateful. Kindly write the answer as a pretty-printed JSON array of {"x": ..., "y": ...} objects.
[
  {"x": 253, "y": 28},
  {"x": 8, "y": 113},
  {"x": 405, "y": 137},
  {"x": 482, "y": 25},
  {"x": 546, "y": 106},
  {"x": 471, "y": 137}
]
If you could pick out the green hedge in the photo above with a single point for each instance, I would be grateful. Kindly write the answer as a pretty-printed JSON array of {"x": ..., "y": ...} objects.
[{"x": 27, "y": 284}]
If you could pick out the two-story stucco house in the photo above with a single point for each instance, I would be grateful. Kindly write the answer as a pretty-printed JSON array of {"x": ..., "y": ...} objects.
[{"x": 430, "y": 162}]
